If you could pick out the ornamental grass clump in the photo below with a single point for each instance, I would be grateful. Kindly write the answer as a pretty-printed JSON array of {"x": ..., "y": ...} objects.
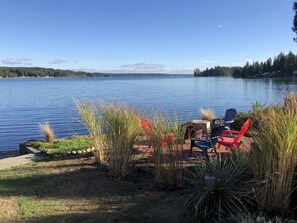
[
  {"x": 274, "y": 157},
  {"x": 122, "y": 124},
  {"x": 47, "y": 131},
  {"x": 92, "y": 119},
  {"x": 218, "y": 188},
  {"x": 167, "y": 137},
  {"x": 207, "y": 114}
]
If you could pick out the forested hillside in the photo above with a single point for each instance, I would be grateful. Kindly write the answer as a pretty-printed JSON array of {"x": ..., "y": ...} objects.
[
  {"x": 44, "y": 72},
  {"x": 283, "y": 65}
]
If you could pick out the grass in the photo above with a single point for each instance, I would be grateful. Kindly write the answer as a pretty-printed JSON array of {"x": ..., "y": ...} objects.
[
  {"x": 47, "y": 131},
  {"x": 62, "y": 146},
  {"x": 92, "y": 119},
  {"x": 274, "y": 157},
  {"x": 123, "y": 129},
  {"x": 167, "y": 138},
  {"x": 73, "y": 190},
  {"x": 207, "y": 114}
]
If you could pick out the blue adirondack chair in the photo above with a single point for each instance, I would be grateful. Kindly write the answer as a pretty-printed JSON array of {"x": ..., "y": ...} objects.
[
  {"x": 209, "y": 142},
  {"x": 227, "y": 120}
]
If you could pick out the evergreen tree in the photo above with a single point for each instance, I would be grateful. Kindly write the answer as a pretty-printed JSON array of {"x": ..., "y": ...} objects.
[{"x": 294, "y": 28}]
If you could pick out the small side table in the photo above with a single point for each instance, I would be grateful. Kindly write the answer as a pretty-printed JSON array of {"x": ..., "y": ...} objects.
[{"x": 196, "y": 128}]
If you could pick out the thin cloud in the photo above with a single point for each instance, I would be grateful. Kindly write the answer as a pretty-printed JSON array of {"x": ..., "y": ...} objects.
[
  {"x": 89, "y": 70},
  {"x": 144, "y": 68},
  {"x": 224, "y": 24},
  {"x": 139, "y": 68},
  {"x": 206, "y": 61},
  {"x": 57, "y": 61},
  {"x": 17, "y": 61}
]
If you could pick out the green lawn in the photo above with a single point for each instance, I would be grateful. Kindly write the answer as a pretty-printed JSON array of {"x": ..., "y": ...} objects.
[
  {"x": 74, "y": 190},
  {"x": 64, "y": 145}
]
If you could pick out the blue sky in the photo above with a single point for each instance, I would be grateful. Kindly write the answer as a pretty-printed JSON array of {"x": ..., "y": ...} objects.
[{"x": 166, "y": 36}]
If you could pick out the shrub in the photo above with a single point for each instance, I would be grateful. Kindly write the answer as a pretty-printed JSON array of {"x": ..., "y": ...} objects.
[
  {"x": 274, "y": 157},
  {"x": 168, "y": 156},
  {"x": 207, "y": 114},
  {"x": 219, "y": 187},
  {"x": 122, "y": 132},
  {"x": 47, "y": 132},
  {"x": 257, "y": 111}
]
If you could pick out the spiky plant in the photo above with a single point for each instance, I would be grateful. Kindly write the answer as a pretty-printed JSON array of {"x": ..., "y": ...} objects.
[
  {"x": 219, "y": 187},
  {"x": 47, "y": 132},
  {"x": 207, "y": 114}
]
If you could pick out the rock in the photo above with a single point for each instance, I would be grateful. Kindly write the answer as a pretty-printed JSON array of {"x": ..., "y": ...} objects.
[
  {"x": 56, "y": 155},
  {"x": 89, "y": 150},
  {"x": 69, "y": 153},
  {"x": 79, "y": 152},
  {"x": 73, "y": 152},
  {"x": 83, "y": 151},
  {"x": 93, "y": 148}
]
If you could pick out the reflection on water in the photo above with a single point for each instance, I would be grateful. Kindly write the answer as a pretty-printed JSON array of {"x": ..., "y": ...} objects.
[{"x": 26, "y": 102}]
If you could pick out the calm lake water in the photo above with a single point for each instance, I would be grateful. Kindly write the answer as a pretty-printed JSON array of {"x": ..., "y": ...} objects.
[{"x": 24, "y": 103}]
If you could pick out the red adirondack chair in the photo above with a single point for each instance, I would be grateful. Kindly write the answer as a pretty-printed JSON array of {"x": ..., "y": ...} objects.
[
  {"x": 230, "y": 138},
  {"x": 147, "y": 127}
]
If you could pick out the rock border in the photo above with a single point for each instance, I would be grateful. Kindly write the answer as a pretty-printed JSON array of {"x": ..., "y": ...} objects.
[{"x": 28, "y": 149}]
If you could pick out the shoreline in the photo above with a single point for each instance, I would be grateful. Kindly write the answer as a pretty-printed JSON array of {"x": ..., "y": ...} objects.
[{"x": 10, "y": 153}]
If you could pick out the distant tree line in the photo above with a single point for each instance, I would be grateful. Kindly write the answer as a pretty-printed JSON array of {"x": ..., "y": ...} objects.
[
  {"x": 217, "y": 71},
  {"x": 7, "y": 72},
  {"x": 282, "y": 65}
]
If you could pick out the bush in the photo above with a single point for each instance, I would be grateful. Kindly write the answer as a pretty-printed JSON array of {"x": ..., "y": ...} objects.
[
  {"x": 274, "y": 157},
  {"x": 257, "y": 111},
  {"x": 168, "y": 156},
  {"x": 219, "y": 187},
  {"x": 47, "y": 132}
]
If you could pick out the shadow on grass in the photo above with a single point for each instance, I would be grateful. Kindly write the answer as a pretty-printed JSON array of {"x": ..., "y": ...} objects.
[
  {"x": 70, "y": 192},
  {"x": 141, "y": 212},
  {"x": 155, "y": 207},
  {"x": 69, "y": 180},
  {"x": 74, "y": 190}
]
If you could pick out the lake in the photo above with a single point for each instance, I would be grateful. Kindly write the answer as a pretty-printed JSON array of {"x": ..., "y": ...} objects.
[{"x": 24, "y": 103}]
